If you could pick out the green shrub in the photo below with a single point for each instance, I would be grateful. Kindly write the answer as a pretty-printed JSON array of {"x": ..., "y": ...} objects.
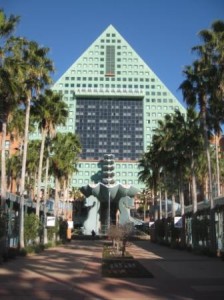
[
  {"x": 63, "y": 226},
  {"x": 31, "y": 228},
  {"x": 49, "y": 245},
  {"x": 51, "y": 231},
  {"x": 23, "y": 252}
]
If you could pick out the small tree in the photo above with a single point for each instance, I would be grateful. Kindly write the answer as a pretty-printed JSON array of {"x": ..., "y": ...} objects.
[
  {"x": 31, "y": 228},
  {"x": 119, "y": 235},
  {"x": 125, "y": 233},
  {"x": 113, "y": 234}
]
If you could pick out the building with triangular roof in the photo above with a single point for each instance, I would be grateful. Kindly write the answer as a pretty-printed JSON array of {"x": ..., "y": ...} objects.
[{"x": 115, "y": 101}]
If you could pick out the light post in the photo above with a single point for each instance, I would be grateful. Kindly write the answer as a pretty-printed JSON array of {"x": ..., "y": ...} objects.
[{"x": 145, "y": 203}]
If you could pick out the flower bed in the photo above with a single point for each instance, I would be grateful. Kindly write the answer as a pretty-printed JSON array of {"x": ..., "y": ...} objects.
[{"x": 118, "y": 266}]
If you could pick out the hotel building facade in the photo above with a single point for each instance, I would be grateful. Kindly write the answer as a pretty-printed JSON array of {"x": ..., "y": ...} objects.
[{"x": 115, "y": 101}]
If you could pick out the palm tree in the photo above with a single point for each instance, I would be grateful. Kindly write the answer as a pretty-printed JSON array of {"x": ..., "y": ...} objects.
[
  {"x": 204, "y": 84},
  {"x": 195, "y": 90},
  {"x": 177, "y": 144},
  {"x": 36, "y": 76},
  {"x": 65, "y": 151},
  {"x": 144, "y": 174},
  {"x": 7, "y": 88},
  {"x": 150, "y": 167},
  {"x": 194, "y": 147},
  {"x": 213, "y": 46},
  {"x": 51, "y": 111},
  {"x": 32, "y": 167}
]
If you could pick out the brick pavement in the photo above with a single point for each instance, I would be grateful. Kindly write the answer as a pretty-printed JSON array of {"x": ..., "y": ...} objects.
[{"x": 73, "y": 272}]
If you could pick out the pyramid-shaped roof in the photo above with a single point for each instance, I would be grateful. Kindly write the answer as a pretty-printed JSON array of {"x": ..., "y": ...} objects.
[
  {"x": 112, "y": 58},
  {"x": 110, "y": 37}
]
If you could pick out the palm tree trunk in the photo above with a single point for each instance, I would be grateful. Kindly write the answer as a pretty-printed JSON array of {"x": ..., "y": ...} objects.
[
  {"x": 194, "y": 193},
  {"x": 206, "y": 145},
  {"x": 155, "y": 203},
  {"x": 166, "y": 205},
  {"x": 210, "y": 196},
  {"x": 182, "y": 206},
  {"x": 64, "y": 200},
  {"x": 3, "y": 168},
  {"x": 3, "y": 183},
  {"x": 35, "y": 184},
  {"x": 56, "y": 204},
  {"x": 173, "y": 206},
  {"x": 194, "y": 205},
  {"x": 39, "y": 178},
  {"x": 217, "y": 165},
  {"x": 56, "y": 199},
  {"x": 194, "y": 188},
  {"x": 181, "y": 194},
  {"x": 160, "y": 205},
  {"x": 45, "y": 197},
  {"x": 23, "y": 174}
]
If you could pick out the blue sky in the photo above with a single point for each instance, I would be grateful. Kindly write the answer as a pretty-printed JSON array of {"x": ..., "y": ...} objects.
[{"x": 162, "y": 32}]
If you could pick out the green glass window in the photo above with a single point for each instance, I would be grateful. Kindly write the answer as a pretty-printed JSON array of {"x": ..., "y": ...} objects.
[{"x": 110, "y": 60}]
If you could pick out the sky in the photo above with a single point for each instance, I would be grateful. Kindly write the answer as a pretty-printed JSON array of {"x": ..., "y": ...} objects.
[{"x": 162, "y": 32}]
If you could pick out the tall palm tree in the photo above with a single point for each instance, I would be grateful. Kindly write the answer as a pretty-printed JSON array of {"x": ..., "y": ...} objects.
[
  {"x": 195, "y": 92},
  {"x": 51, "y": 111},
  {"x": 65, "y": 152},
  {"x": 177, "y": 144},
  {"x": 36, "y": 75},
  {"x": 7, "y": 88},
  {"x": 204, "y": 84},
  {"x": 213, "y": 47},
  {"x": 215, "y": 132},
  {"x": 194, "y": 146}
]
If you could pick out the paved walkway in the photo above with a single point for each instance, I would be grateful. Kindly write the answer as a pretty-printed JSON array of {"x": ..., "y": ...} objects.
[{"x": 74, "y": 272}]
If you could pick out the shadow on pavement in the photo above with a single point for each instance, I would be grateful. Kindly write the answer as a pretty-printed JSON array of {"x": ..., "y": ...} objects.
[{"x": 73, "y": 272}]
